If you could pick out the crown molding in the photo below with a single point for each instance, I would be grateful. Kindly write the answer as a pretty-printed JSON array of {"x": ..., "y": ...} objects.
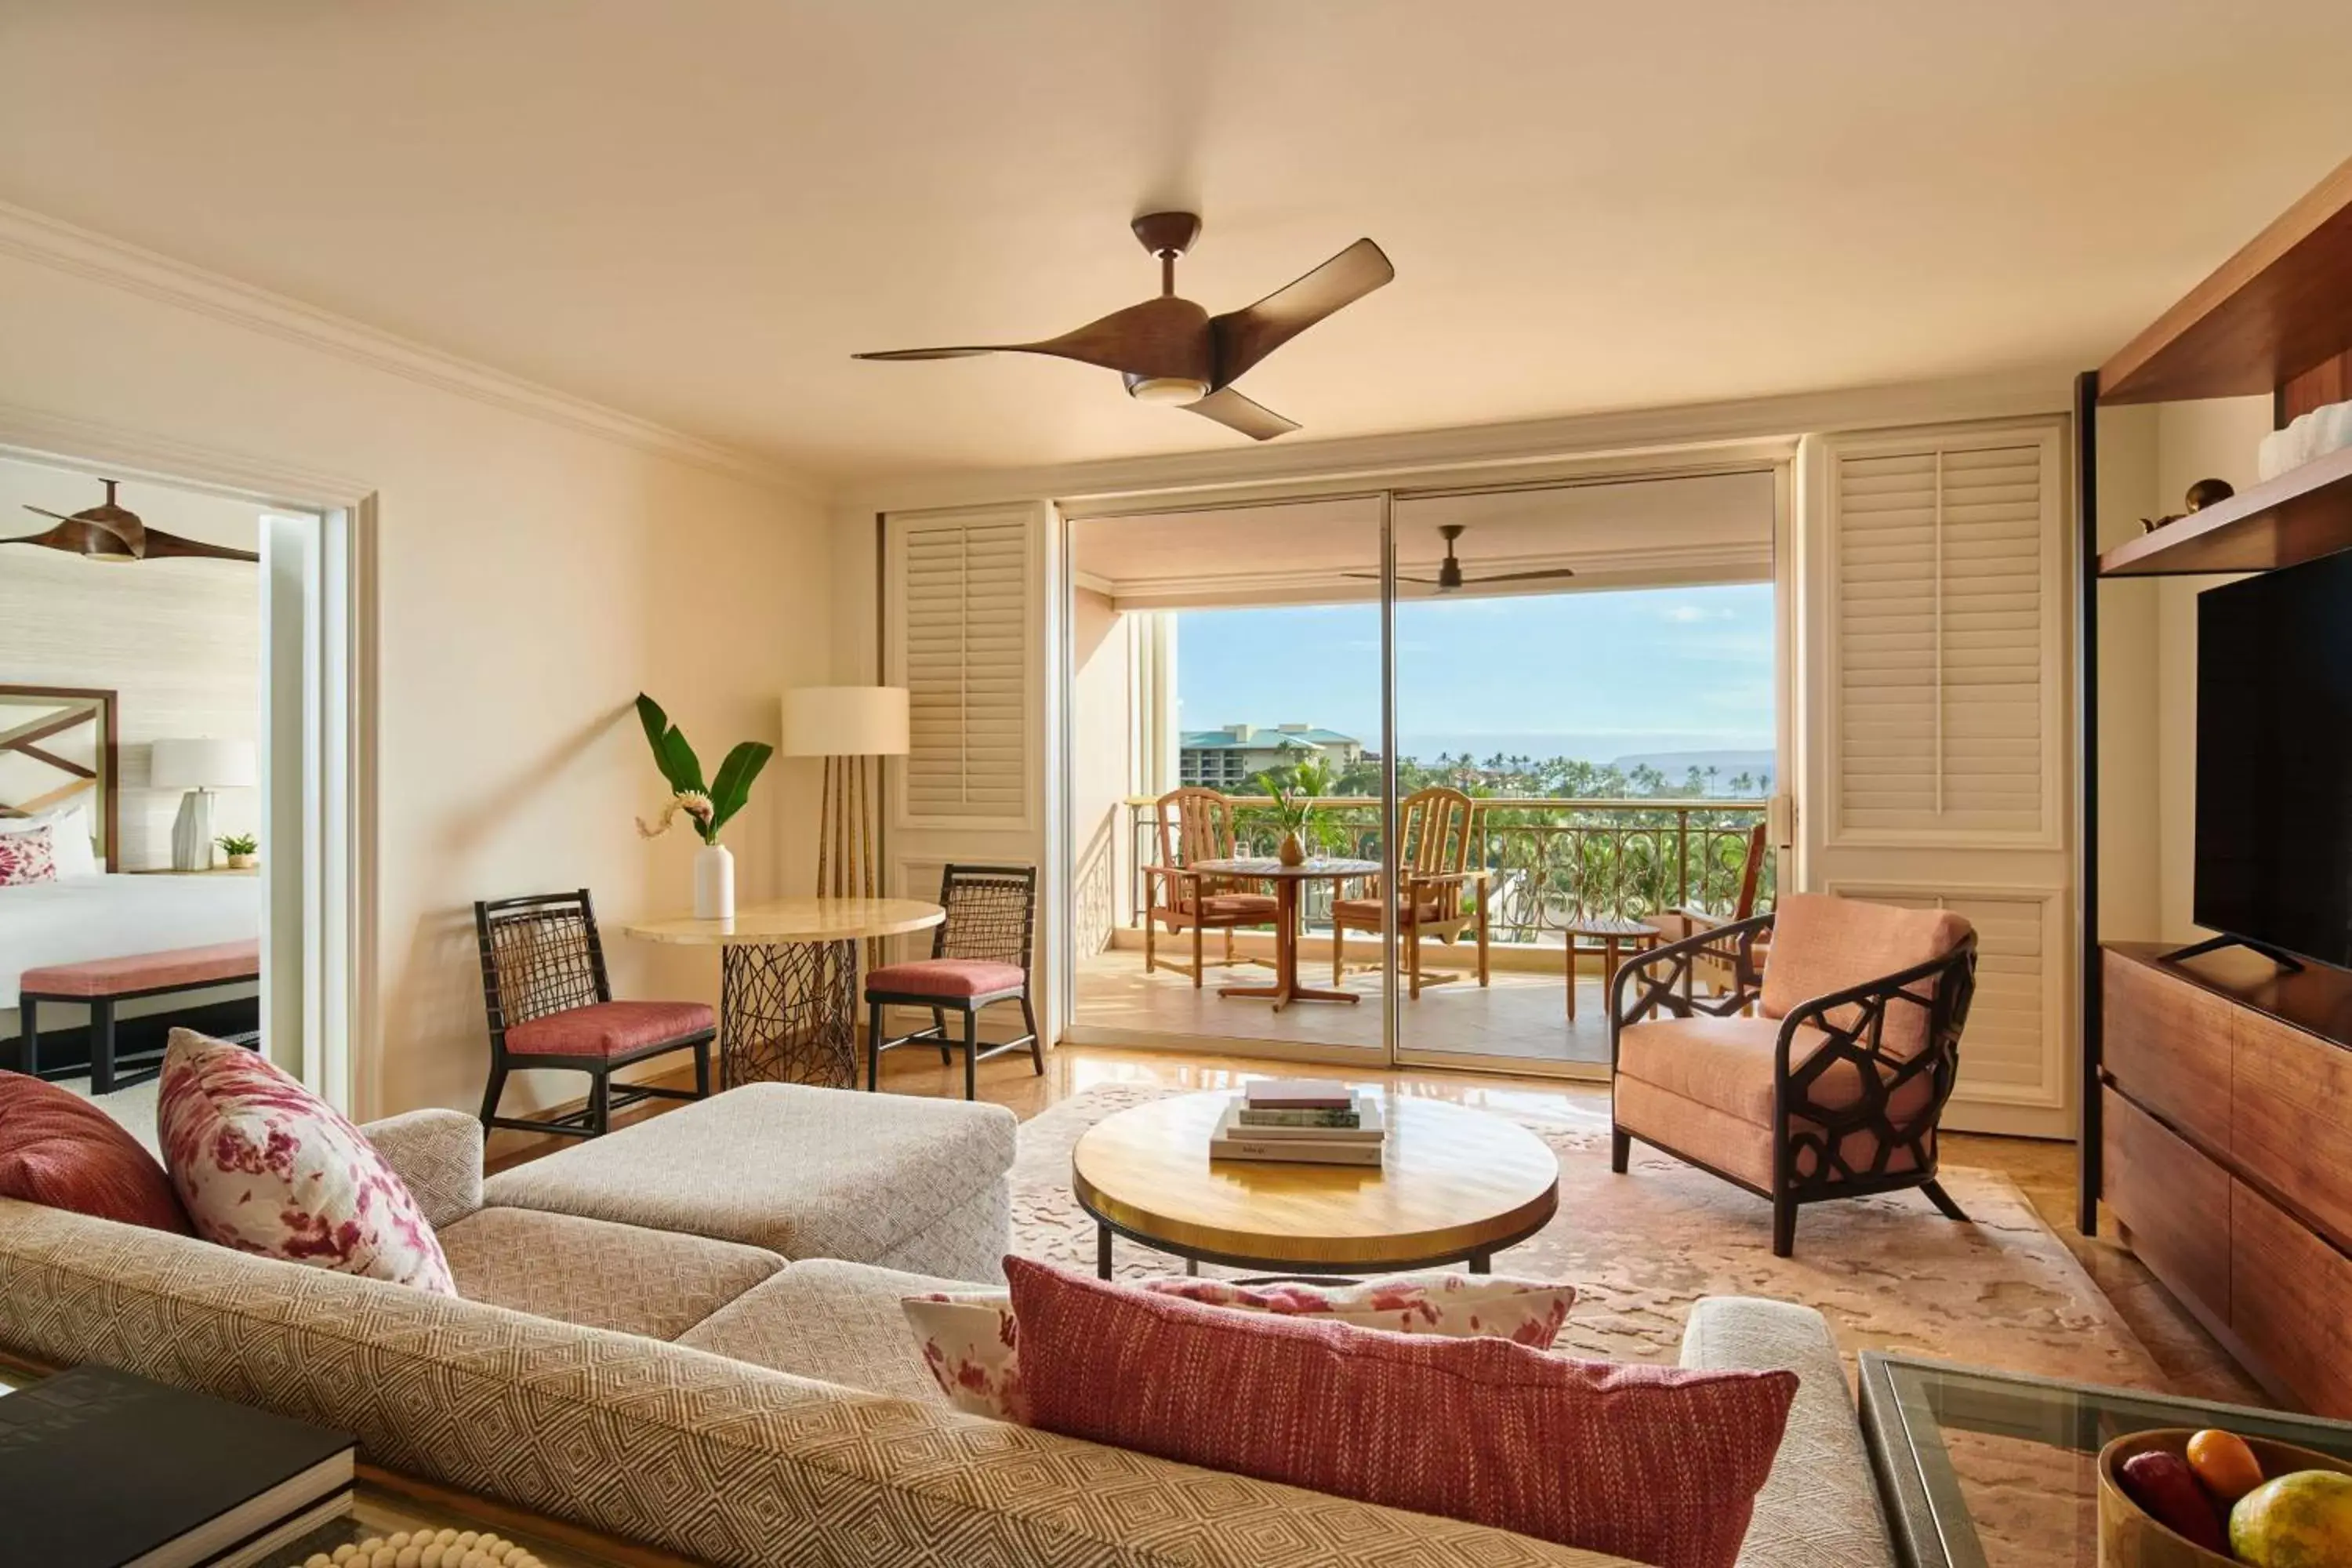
[
  {"x": 65, "y": 248},
  {"x": 1756, "y": 429}
]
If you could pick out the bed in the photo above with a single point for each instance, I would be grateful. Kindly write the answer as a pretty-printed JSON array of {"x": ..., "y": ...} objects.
[{"x": 58, "y": 753}]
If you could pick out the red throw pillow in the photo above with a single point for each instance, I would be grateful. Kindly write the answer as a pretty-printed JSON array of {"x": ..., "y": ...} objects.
[
  {"x": 1652, "y": 1463},
  {"x": 59, "y": 1149}
]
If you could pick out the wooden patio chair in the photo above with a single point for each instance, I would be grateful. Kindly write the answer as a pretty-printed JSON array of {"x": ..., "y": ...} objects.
[
  {"x": 1443, "y": 893},
  {"x": 1196, "y": 825},
  {"x": 1715, "y": 965}
]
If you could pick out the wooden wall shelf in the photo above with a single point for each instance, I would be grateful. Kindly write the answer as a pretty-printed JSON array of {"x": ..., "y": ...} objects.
[
  {"x": 2302, "y": 515},
  {"x": 2269, "y": 313}
]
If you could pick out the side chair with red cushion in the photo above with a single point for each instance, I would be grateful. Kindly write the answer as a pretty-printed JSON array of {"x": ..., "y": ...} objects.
[
  {"x": 980, "y": 956},
  {"x": 1834, "y": 1090},
  {"x": 551, "y": 1006}
]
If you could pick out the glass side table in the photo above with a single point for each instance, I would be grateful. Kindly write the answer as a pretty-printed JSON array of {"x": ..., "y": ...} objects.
[{"x": 1984, "y": 1469}]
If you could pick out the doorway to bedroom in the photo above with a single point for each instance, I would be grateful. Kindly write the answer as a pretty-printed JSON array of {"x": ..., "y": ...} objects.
[{"x": 159, "y": 708}]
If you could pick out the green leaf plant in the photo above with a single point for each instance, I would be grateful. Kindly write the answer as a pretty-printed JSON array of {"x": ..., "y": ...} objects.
[{"x": 707, "y": 806}]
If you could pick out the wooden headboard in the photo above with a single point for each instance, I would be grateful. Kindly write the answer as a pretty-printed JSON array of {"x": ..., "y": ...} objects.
[{"x": 57, "y": 742}]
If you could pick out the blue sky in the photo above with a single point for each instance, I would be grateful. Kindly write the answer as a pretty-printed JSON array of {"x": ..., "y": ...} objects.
[{"x": 1597, "y": 675}]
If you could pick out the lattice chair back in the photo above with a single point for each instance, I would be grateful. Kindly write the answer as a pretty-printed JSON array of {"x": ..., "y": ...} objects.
[
  {"x": 541, "y": 955},
  {"x": 1437, "y": 834},
  {"x": 992, "y": 913},
  {"x": 1194, "y": 825}
]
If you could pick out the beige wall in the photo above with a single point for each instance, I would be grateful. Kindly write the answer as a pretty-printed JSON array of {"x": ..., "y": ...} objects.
[
  {"x": 1101, "y": 738},
  {"x": 178, "y": 642},
  {"x": 531, "y": 577},
  {"x": 2147, "y": 711}
]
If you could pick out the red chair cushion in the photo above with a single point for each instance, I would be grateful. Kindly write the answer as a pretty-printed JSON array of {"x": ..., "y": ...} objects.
[
  {"x": 57, "y": 1148},
  {"x": 1656, "y": 1464},
  {"x": 609, "y": 1029},
  {"x": 1237, "y": 906},
  {"x": 945, "y": 977}
]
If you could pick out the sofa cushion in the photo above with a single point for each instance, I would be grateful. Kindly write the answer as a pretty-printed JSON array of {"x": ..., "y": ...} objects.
[
  {"x": 1727, "y": 1064},
  {"x": 947, "y": 978},
  {"x": 834, "y": 1322},
  {"x": 1823, "y": 944},
  {"x": 56, "y": 1148},
  {"x": 610, "y": 1028},
  {"x": 598, "y": 1275},
  {"x": 806, "y": 1173},
  {"x": 970, "y": 1339},
  {"x": 264, "y": 1165},
  {"x": 1653, "y": 1463}
]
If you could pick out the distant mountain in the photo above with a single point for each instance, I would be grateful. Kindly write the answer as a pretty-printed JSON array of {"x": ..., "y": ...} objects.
[{"x": 1729, "y": 765}]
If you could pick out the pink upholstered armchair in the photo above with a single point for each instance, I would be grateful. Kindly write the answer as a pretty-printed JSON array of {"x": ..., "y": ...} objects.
[{"x": 1836, "y": 1090}]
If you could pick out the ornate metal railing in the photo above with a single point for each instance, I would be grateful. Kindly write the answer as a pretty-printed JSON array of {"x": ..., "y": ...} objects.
[{"x": 1555, "y": 861}]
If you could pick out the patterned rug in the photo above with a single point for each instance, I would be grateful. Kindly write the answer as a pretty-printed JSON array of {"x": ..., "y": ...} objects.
[{"x": 1889, "y": 1272}]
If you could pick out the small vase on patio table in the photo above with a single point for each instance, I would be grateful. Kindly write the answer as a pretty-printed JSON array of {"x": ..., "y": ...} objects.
[
  {"x": 1292, "y": 852},
  {"x": 714, "y": 883}
]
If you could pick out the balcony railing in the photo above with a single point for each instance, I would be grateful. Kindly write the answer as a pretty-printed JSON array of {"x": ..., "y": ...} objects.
[{"x": 1556, "y": 862}]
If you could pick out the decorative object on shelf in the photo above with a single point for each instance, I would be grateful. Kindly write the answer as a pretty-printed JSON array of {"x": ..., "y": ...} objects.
[
  {"x": 109, "y": 532},
  {"x": 199, "y": 766},
  {"x": 2201, "y": 494},
  {"x": 846, "y": 725},
  {"x": 243, "y": 850},
  {"x": 708, "y": 808},
  {"x": 2310, "y": 435},
  {"x": 1169, "y": 350}
]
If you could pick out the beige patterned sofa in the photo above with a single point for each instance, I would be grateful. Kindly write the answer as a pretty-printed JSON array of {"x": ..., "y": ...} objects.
[{"x": 719, "y": 1400}]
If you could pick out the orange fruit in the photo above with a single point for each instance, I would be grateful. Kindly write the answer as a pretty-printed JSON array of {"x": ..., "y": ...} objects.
[{"x": 2225, "y": 1464}]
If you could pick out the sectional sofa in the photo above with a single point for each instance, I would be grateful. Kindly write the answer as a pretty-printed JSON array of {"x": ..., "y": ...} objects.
[{"x": 734, "y": 1404}]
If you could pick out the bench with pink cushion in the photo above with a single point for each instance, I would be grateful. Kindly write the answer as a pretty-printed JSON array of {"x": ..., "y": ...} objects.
[{"x": 100, "y": 982}]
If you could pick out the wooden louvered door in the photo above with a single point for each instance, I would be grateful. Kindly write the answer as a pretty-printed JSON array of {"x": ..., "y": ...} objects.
[{"x": 1935, "y": 728}]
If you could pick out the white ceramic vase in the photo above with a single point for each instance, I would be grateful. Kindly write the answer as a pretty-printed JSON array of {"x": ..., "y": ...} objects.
[{"x": 714, "y": 883}]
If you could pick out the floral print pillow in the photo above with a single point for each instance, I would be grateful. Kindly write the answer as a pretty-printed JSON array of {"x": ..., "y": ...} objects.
[
  {"x": 970, "y": 1340},
  {"x": 27, "y": 857},
  {"x": 265, "y": 1167}
]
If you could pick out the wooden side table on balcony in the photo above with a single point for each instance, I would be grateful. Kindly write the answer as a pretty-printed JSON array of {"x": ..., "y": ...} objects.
[{"x": 1615, "y": 937}]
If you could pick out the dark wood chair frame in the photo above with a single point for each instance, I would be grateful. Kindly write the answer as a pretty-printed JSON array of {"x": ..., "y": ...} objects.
[
  {"x": 1661, "y": 979},
  {"x": 982, "y": 933},
  {"x": 583, "y": 982}
]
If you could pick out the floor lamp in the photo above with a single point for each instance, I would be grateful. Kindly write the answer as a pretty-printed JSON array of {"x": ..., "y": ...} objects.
[{"x": 848, "y": 726}]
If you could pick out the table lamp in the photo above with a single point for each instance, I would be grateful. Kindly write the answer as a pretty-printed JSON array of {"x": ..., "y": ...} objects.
[
  {"x": 846, "y": 725},
  {"x": 199, "y": 766}
]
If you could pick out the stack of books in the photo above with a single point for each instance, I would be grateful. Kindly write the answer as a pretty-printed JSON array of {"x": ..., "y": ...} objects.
[
  {"x": 1302, "y": 1121},
  {"x": 99, "y": 1468}
]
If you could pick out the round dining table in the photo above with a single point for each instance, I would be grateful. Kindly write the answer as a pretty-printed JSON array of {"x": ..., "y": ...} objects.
[
  {"x": 788, "y": 981},
  {"x": 1288, "y": 880}
]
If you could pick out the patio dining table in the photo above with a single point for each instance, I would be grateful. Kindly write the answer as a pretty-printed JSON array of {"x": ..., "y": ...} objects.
[{"x": 1288, "y": 880}]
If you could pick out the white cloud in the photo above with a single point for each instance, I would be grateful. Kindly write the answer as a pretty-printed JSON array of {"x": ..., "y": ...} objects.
[{"x": 1691, "y": 615}]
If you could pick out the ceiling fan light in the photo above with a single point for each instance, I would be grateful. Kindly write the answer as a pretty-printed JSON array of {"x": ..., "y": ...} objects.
[{"x": 1166, "y": 388}]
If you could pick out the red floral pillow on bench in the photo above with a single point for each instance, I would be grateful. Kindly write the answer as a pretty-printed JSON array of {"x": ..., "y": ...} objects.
[
  {"x": 266, "y": 1166},
  {"x": 57, "y": 1148},
  {"x": 1653, "y": 1463}
]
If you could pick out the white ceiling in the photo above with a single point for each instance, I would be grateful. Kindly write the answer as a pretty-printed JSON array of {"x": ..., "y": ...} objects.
[{"x": 696, "y": 210}]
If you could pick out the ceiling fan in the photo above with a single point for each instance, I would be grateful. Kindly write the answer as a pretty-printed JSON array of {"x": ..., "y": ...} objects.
[
  {"x": 1449, "y": 571},
  {"x": 111, "y": 533},
  {"x": 1172, "y": 351}
]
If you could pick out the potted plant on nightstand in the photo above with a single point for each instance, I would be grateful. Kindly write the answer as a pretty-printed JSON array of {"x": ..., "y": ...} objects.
[
  {"x": 243, "y": 849},
  {"x": 708, "y": 807}
]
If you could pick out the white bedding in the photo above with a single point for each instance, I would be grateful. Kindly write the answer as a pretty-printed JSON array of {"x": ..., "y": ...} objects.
[{"x": 111, "y": 917}]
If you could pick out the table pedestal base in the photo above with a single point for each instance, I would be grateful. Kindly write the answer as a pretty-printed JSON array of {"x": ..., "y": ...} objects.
[{"x": 788, "y": 1013}]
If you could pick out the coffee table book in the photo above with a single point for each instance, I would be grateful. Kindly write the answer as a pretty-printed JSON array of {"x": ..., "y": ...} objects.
[
  {"x": 1298, "y": 1094},
  {"x": 98, "y": 1468},
  {"x": 1299, "y": 1145}
]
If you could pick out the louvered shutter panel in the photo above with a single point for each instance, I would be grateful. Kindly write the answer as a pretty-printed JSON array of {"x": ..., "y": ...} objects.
[
  {"x": 965, "y": 611},
  {"x": 1945, "y": 612},
  {"x": 2010, "y": 1050}
]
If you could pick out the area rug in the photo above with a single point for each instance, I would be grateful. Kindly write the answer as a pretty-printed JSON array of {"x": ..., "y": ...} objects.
[{"x": 1890, "y": 1273}]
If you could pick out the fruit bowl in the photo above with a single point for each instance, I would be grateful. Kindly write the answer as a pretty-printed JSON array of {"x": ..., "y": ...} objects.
[{"x": 2129, "y": 1537}]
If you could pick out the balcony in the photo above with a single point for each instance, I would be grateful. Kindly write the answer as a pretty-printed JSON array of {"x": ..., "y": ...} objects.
[{"x": 1557, "y": 862}]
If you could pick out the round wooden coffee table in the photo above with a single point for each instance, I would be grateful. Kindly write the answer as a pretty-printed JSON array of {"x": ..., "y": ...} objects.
[{"x": 1454, "y": 1185}]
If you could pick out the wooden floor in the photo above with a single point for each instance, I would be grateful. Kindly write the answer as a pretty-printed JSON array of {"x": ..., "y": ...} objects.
[{"x": 2190, "y": 1358}]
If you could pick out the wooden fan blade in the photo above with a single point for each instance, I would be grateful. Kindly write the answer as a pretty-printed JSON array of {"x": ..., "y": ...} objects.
[
  {"x": 1548, "y": 574},
  {"x": 1247, "y": 335},
  {"x": 1402, "y": 577},
  {"x": 1233, "y": 411},
  {"x": 44, "y": 512},
  {"x": 80, "y": 536},
  {"x": 1162, "y": 337},
  {"x": 160, "y": 544}
]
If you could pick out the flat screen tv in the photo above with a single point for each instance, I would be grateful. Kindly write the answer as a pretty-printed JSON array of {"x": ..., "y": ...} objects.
[{"x": 2274, "y": 760}]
